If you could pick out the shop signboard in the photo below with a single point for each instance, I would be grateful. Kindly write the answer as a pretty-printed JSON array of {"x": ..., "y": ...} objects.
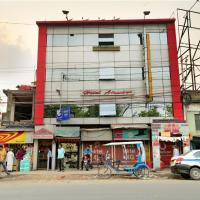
[
  {"x": 72, "y": 132},
  {"x": 63, "y": 114},
  {"x": 16, "y": 137},
  {"x": 43, "y": 132},
  {"x": 107, "y": 92},
  {"x": 131, "y": 134}
]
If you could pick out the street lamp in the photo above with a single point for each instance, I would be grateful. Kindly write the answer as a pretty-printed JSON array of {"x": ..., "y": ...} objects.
[
  {"x": 66, "y": 12},
  {"x": 146, "y": 13}
]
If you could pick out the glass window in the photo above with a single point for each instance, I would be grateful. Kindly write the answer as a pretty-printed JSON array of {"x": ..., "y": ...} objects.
[
  {"x": 91, "y": 74},
  {"x": 106, "y": 73},
  {"x": 197, "y": 154},
  {"x": 163, "y": 38},
  {"x": 197, "y": 121},
  {"x": 122, "y": 73},
  {"x": 137, "y": 73},
  {"x": 136, "y": 38},
  {"x": 106, "y": 39},
  {"x": 60, "y": 40},
  {"x": 49, "y": 40},
  {"x": 107, "y": 109}
]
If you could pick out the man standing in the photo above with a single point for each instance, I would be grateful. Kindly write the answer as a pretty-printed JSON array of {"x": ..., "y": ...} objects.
[
  {"x": 3, "y": 158},
  {"x": 10, "y": 160},
  {"x": 19, "y": 156},
  {"x": 61, "y": 156}
]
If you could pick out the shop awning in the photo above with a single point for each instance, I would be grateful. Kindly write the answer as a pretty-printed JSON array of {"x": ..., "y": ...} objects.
[
  {"x": 96, "y": 134},
  {"x": 129, "y": 126},
  {"x": 68, "y": 132}
]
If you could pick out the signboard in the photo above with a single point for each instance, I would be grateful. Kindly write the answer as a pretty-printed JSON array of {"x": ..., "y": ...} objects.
[
  {"x": 68, "y": 131},
  {"x": 107, "y": 109},
  {"x": 131, "y": 134},
  {"x": 107, "y": 92},
  {"x": 16, "y": 137},
  {"x": 43, "y": 132},
  {"x": 63, "y": 114}
]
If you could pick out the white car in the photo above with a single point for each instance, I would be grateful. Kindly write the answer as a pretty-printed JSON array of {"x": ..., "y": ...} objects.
[{"x": 187, "y": 165}]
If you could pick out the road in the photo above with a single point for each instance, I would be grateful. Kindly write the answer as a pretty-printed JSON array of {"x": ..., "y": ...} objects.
[{"x": 101, "y": 190}]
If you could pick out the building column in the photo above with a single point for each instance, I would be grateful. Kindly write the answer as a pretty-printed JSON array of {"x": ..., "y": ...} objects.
[
  {"x": 35, "y": 154},
  {"x": 53, "y": 167}
]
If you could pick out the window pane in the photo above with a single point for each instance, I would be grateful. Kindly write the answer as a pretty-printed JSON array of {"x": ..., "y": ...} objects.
[
  {"x": 60, "y": 40},
  {"x": 49, "y": 40},
  {"x": 197, "y": 121},
  {"x": 106, "y": 73}
]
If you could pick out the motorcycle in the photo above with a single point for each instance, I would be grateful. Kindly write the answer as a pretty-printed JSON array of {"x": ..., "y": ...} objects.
[{"x": 86, "y": 162}]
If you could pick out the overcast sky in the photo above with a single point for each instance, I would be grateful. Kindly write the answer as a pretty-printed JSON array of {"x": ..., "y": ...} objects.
[{"x": 18, "y": 31}]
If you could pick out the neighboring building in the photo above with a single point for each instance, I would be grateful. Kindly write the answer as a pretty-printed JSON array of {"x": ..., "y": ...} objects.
[
  {"x": 192, "y": 115},
  {"x": 115, "y": 77},
  {"x": 17, "y": 124}
]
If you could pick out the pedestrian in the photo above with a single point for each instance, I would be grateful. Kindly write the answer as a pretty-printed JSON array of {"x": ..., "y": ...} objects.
[
  {"x": 10, "y": 160},
  {"x": 61, "y": 156},
  {"x": 49, "y": 157},
  {"x": 175, "y": 151},
  {"x": 87, "y": 153},
  {"x": 19, "y": 156},
  {"x": 3, "y": 159}
]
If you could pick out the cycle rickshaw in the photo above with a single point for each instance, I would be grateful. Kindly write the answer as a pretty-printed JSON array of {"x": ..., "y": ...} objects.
[{"x": 132, "y": 162}]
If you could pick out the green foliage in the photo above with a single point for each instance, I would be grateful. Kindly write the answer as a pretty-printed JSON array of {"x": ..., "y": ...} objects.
[
  {"x": 76, "y": 111},
  {"x": 169, "y": 110},
  {"x": 153, "y": 112}
]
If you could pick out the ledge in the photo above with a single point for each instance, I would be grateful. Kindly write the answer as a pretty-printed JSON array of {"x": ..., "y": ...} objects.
[{"x": 106, "y": 48}]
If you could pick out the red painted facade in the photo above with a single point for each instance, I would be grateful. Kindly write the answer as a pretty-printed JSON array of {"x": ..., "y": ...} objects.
[
  {"x": 174, "y": 72},
  {"x": 41, "y": 76}
]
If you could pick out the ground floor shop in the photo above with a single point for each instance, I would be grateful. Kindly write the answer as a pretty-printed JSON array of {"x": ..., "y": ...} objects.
[
  {"x": 75, "y": 140},
  {"x": 18, "y": 142},
  {"x": 95, "y": 139},
  {"x": 169, "y": 139},
  {"x": 138, "y": 133}
]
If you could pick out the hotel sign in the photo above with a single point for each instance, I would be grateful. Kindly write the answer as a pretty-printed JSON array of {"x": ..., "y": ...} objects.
[{"x": 107, "y": 92}]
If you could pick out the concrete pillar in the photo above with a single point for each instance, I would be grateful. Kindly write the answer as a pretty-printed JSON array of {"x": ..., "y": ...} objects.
[
  {"x": 53, "y": 155},
  {"x": 35, "y": 155}
]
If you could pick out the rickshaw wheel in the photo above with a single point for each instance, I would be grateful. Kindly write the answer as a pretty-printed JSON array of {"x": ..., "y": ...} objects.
[
  {"x": 104, "y": 171},
  {"x": 142, "y": 172}
]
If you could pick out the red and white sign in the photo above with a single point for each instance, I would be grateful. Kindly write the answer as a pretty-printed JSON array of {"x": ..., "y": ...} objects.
[
  {"x": 43, "y": 132},
  {"x": 107, "y": 92}
]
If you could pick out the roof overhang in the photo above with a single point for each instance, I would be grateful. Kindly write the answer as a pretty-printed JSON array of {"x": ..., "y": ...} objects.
[{"x": 105, "y": 22}]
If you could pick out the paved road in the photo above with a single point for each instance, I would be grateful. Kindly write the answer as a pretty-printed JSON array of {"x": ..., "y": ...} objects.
[{"x": 101, "y": 190}]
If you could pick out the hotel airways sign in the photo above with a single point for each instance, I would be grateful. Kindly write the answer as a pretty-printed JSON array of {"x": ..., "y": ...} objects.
[{"x": 107, "y": 92}]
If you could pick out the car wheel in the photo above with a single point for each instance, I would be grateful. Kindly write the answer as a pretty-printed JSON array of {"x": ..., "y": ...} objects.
[
  {"x": 195, "y": 173},
  {"x": 185, "y": 176}
]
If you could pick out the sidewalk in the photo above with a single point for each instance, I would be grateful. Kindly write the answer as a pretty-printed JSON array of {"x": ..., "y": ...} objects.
[{"x": 72, "y": 175}]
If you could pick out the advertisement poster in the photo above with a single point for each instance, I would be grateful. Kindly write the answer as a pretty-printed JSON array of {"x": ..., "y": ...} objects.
[{"x": 15, "y": 137}]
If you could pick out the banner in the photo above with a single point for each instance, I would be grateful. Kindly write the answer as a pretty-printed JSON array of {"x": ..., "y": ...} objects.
[
  {"x": 15, "y": 137},
  {"x": 63, "y": 114}
]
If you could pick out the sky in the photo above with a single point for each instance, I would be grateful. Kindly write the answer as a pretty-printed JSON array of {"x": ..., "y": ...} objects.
[{"x": 19, "y": 32}]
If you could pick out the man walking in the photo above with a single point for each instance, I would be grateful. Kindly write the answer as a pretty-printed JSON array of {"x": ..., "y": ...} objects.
[
  {"x": 61, "y": 156},
  {"x": 3, "y": 159}
]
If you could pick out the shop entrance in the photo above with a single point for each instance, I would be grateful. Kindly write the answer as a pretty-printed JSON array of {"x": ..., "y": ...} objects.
[
  {"x": 43, "y": 146},
  {"x": 71, "y": 160}
]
